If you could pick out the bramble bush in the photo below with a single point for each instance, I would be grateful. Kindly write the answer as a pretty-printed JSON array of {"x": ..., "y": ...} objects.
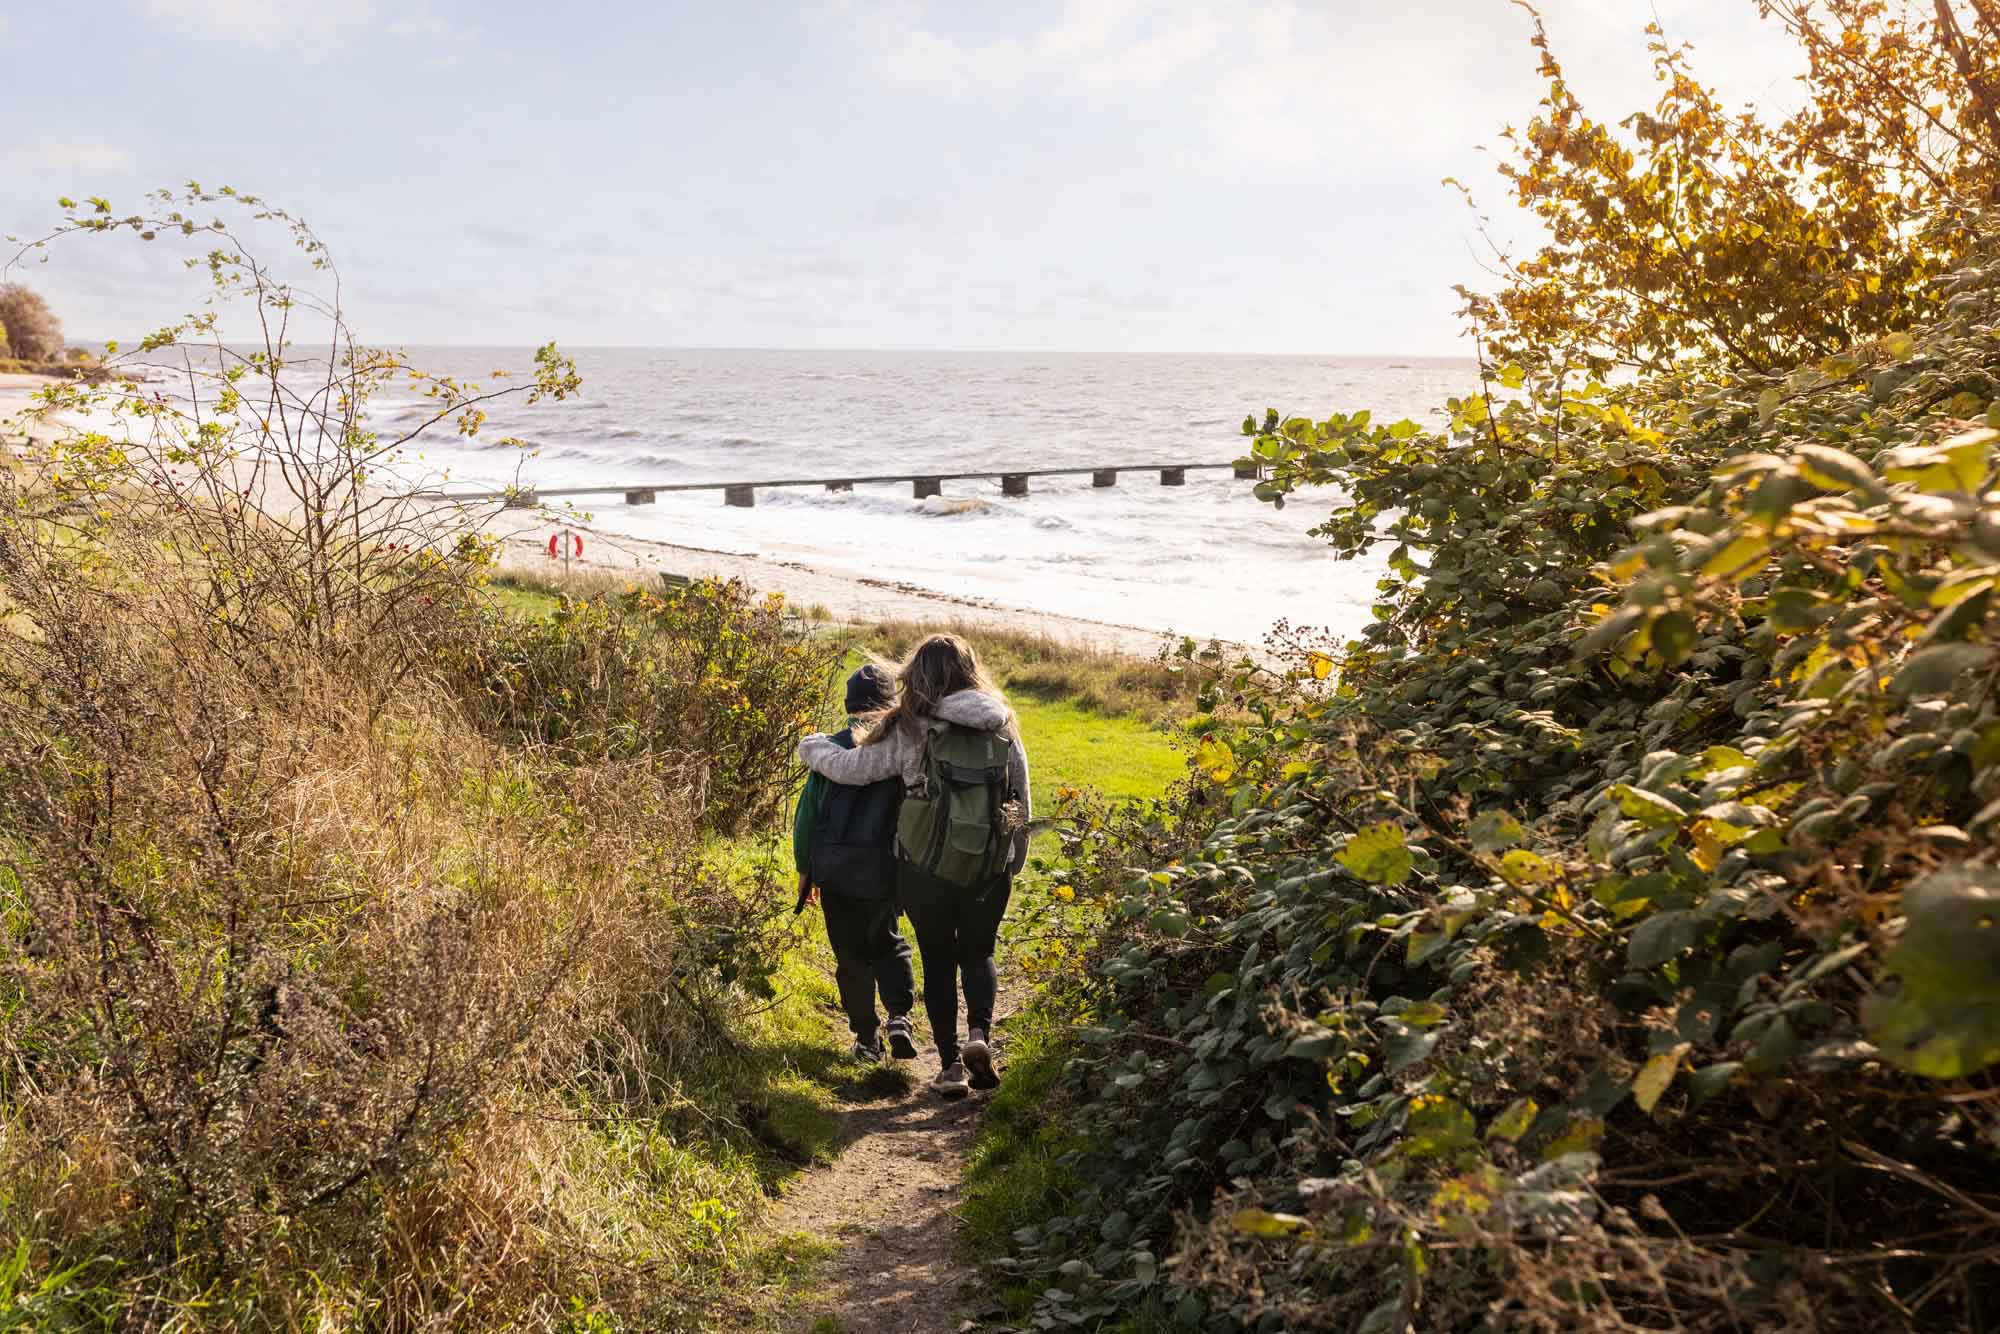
[
  {"x": 1606, "y": 937},
  {"x": 710, "y": 682},
  {"x": 1611, "y": 944}
]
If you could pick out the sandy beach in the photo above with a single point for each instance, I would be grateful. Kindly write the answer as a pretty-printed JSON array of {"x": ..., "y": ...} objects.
[{"x": 525, "y": 534}]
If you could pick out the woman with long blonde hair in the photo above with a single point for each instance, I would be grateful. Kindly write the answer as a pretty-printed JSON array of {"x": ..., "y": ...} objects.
[{"x": 962, "y": 835}]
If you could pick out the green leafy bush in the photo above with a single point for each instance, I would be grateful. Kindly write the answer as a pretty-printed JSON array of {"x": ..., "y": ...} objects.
[
  {"x": 711, "y": 683},
  {"x": 1612, "y": 940}
]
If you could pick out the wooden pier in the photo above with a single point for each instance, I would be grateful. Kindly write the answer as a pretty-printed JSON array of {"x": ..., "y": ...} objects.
[{"x": 922, "y": 485}]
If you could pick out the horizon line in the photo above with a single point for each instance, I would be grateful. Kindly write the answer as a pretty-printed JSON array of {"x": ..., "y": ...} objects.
[{"x": 758, "y": 347}]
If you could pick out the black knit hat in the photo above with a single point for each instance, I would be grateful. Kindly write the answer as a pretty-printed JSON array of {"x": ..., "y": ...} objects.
[{"x": 869, "y": 689}]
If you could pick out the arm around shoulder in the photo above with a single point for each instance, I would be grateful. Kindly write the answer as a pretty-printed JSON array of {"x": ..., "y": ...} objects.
[{"x": 854, "y": 768}]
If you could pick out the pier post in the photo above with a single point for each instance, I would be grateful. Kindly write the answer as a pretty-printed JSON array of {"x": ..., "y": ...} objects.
[
  {"x": 1104, "y": 477},
  {"x": 840, "y": 486},
  {"x": 922, "y": 487},
  {"x": 742, "y": 497},
  {"x": 1254, "y": 471},
  {"x": 522, "y": 500},
  {"x": 1173, "y": 477},
  {"x": 1014, "y": 484},
  {"x": 645, "y": 495}
]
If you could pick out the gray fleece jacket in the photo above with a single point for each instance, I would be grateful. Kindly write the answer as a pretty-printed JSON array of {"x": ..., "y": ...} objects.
[{"x": 901, "y": 755}]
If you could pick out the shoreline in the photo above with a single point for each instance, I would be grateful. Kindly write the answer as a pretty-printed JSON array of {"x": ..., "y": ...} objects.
[
  {"x": 523, "y": 536},
  {"x": 848, "y": 597}
]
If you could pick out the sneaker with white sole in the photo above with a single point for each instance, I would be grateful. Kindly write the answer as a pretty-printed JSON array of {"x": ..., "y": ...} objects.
[
  {"x": 977, "y": 1056},
  {"x": 951, "y": 1081},
  {"x": 902, "y": 1046},
  {"x": 865, "y": 1051}
]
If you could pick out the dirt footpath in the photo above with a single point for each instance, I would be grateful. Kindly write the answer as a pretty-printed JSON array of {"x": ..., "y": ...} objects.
[{"x": 888, "y": 1201}]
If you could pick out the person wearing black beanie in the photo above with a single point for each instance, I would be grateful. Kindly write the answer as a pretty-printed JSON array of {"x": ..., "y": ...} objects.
[{"x": 843, "y": 844}]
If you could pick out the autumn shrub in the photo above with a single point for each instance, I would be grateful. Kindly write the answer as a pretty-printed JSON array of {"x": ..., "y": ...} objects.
[
  {"x": 320, "y": 1007},
  {"x": 711, "y": 683},
  {"x": 32, "y": 331},
  {"x": 277, "y": 961}
]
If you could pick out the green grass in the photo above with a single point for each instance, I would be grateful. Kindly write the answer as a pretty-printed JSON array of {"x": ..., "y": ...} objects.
[
  {"x": 1070, "y": 745},
  {"x": 1014, "y": 1173}
]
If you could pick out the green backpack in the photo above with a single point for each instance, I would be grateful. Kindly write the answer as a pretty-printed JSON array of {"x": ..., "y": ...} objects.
[{"x": 957, "y": 822}]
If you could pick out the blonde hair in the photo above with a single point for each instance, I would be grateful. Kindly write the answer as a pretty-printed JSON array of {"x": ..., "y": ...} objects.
[{"x": 942, "y": 665}]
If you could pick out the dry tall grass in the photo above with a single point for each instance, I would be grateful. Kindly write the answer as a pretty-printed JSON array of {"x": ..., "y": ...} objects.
[
  {"x": 322, "y": 1007},
  {"x": 323, "y": 1000}
]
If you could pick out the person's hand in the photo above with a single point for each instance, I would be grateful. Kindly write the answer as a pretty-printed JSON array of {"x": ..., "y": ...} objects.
[{"x": 808, "y": 890}]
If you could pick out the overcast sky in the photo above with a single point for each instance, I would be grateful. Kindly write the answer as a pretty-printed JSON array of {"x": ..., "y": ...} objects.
[{"x": 1083, "y": 174}]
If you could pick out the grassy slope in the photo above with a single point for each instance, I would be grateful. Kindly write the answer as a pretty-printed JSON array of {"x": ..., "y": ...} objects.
[{"x": 1087, "y": 722}]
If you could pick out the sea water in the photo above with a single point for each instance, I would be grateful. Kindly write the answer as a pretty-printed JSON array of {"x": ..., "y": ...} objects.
[{"x": 1205, "y": 559}]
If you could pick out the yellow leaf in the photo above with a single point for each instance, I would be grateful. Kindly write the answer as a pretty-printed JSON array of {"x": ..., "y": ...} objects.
[
  {"x": 1656, "y": 1076},
  {"x": 1214, "y": 757},
  {"x": 1322, "y": 666}
]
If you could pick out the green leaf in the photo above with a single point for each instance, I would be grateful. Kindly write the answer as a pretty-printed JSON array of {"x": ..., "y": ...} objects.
[
  {"x": 1513, "y": 1123},
  {"x": 1609, "y": 631},
  {"x": 1262, "y": 1223},
  {"x": 1934, "y": 670},
  {"x": 1673, "y": 635},
  {"x": 1836, "y": 470},
  {"x": 1649, "y": 808},
  {"x": 1739, "y": 559},
  {"x": 1522, "y": 868},
  {"x": 1710, "y": 1080},
  {"x": 1943, "y": 1019},
  {"x": 1581, "y": 1135},
  {"x": 1438, "y": 1125},
  {"x": 1377, "y": 854},
  {"x": 1495, "y": 829},
  {"x": 1662, "y": 937}
]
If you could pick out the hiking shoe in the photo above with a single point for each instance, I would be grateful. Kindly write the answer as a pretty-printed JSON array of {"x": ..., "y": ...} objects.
[
  {"x": 951, "y": 1082},
  {"x": 977, "y": 1056},
  {"x": 865, "y": 1051},
  {"x": 901, "y": 1045}
]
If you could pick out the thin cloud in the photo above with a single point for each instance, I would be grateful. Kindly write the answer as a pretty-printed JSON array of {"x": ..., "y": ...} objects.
[
  {"x": 1288, "y": 85},
  {"x": 262, "y": 24},
  {"x": 68, "y": 157}
]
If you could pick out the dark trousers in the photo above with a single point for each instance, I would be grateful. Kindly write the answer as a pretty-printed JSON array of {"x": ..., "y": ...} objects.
[
  {"x": 957, "y": 929},
  {"x": 869, "y": 953}
]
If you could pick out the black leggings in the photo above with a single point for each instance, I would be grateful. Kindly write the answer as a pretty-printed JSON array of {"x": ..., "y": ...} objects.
[
  {"x": 869, "y": 954},
  {"x": 957, "y": 929}
]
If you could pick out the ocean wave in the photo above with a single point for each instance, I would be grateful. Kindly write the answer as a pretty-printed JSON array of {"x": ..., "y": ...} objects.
[{"x": 948, "y": 506}]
